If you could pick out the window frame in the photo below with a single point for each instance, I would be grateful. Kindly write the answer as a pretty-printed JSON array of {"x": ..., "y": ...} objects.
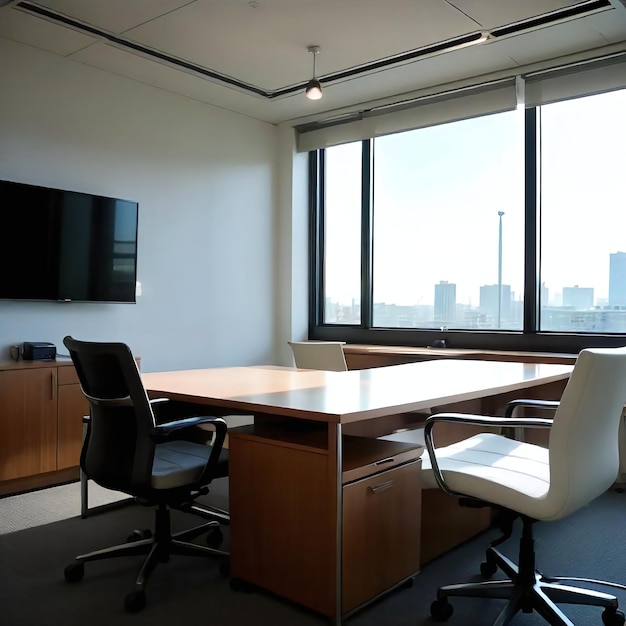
[{"x": 530, "y": 338}]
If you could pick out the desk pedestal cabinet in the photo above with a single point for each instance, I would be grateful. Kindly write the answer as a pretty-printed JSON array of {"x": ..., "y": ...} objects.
[
  {"x": 41, "y": 411},
  {"x": 295, "y": 531}
]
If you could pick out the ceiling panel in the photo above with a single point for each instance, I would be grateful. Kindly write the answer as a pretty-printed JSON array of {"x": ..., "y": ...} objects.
[
  {"x": 116, "y": 16},
  {"x": 492, "y": 14},
  {"x": 147, "y": 71},
  {"x": 40, "y": 33},
  {"x": 611, "y": 25},
  {"x": 557, "y": 41}
]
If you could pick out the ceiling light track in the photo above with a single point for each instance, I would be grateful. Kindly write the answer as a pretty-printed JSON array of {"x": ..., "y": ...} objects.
[{"x": 549, "y": 19}]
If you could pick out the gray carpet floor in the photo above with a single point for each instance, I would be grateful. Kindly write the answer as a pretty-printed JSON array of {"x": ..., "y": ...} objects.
[
  {"x": 591, "y": 543},
  {"x": 45, "y": 506}
]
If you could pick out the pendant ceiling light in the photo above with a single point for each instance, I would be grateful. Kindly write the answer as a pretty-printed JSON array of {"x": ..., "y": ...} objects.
[{"x": 313, "y": 89}]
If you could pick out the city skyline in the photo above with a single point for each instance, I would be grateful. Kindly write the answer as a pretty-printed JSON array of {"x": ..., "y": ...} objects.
[{"x": 574, "y": 308}]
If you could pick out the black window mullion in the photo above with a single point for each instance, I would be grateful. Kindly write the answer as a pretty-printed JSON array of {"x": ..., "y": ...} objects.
[
  {"x": 531, "y": 254},
  {"x": 316, "y": 238},
  {"x": 367, "y": 243}
]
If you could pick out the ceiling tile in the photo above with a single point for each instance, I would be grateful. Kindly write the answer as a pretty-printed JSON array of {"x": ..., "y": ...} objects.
[
  {"x": 115, "y": 16},
  {"x": 493, "y": 14},
  {"x": 551, "y": 43},
  {"x": 40, "y": 33}
]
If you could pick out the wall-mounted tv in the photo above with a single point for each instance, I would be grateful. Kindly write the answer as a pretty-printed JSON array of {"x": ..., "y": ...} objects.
[{"x": 66, "y": 246}]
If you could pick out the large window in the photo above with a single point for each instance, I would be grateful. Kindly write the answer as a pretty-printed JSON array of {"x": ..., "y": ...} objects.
[
  {"x": 500, "y": 231},
  {"x": 448, "y": 225},
  {"x": 583, "y": 215}
]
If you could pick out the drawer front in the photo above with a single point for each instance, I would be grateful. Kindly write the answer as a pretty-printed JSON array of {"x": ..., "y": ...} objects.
[
  {"x": 381, "y": 532},
  {"x": 67, "y": 375}
]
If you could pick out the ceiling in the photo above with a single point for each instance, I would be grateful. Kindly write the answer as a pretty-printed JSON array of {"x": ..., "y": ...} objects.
[{"x": 251, "y": 56}]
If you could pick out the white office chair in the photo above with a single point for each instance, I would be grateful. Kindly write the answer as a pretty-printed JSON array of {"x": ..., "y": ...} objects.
[
  {"x": 319, "y": 355},
  {"x": 535, "y": 483}
]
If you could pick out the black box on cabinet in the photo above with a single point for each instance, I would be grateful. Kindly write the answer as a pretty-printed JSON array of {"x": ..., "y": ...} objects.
[{"x": 39, "y": 351}]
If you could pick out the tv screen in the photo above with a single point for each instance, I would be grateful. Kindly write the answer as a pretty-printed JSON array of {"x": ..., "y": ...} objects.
[{"x": 66, "y": 246}]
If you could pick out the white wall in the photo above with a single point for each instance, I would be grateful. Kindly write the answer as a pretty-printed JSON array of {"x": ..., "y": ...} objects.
[
  {"x": 205, "y": 180},
  {"x": 293, "y": 232}
]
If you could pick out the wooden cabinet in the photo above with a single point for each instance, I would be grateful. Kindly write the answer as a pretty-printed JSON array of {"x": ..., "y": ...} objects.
[
  {"x": 41, "y": 411},
  {"x": 381, "y": 533},
  {"x": 282, "y": 536},
  {"x": 284, "y": 503},
  {"x": 28, "y": 427},
  {"x": 72, "y": 406}
]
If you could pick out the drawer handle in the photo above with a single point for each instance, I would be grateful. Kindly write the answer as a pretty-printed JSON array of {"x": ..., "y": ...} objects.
[
  {"x": 382, "y": 487},
  {"x": 383, "y": 461}
]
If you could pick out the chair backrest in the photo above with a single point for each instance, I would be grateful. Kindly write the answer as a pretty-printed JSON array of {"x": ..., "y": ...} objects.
[
  {"x": 583, "y": 447},
  {"x": 118, "y": 451},
  {"x": 319, "y": 355}
]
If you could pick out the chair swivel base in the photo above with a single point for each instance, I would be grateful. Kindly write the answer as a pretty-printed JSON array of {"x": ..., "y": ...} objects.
[
  {"x": 158, "y": 550},
  {"x": 526, "y": 590}
]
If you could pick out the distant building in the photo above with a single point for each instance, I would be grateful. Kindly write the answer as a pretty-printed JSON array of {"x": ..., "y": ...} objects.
[
  {"x": 578, "y": 297},
  {"x": 490, "y": 302},
  {"x": 617, "y": 279},
  {"x": 445, "y": 301}
]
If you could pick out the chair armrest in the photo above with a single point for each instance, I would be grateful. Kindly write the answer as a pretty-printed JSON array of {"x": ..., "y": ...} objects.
[
  {"x": 513, "y": 405},
  {"x": 165, "y": 429},
  {"x": 479, "y": 420}
]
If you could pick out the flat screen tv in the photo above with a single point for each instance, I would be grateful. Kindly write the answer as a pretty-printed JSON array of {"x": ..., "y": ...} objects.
[{"x": 66, "y": 246}]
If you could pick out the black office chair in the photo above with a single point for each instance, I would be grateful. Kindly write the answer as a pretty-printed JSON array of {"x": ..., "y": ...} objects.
[{"x": 126, "y": 450}]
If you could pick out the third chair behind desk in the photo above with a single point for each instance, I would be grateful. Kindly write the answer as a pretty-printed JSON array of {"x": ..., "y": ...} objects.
[{"x": 319, "y": 355}]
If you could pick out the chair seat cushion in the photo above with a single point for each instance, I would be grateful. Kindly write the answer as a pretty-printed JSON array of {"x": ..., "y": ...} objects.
[
  {"x": 490, "y": 467},
  {"x": 178, "y": 463}
]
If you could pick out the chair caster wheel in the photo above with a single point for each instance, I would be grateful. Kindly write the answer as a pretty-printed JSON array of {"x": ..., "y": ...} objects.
[
  {"x": 74, "y": 572},
  {"x": 138, "y": 535},
  {"x": 612, "y": 617},
  {"x": 135, "y": 601},
  {"x": 225, "y": 569},
  {"x": 441, "y": 610},
  {"x": 487, "y": 569},
  {"x": 214, "y": 538},
  {"x": 237, "y": 584}
]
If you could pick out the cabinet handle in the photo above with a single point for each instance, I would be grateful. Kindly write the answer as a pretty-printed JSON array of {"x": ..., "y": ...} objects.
[
  {"x": 51, "y": 386},
  {"x": 382, "y": 487},
  {"x": 383, "y": 461}
]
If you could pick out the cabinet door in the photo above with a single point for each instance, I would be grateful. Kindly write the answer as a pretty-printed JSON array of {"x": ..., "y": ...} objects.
[
  {"x": 72, "y": 407},
  {"x": 28, "y": 424},
  {"x": 281, "y": 528},
  {"x": 381, "y": 532}
]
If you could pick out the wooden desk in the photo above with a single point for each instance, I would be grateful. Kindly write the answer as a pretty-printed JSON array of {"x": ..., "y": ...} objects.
[{"x": 293, "y": 526}]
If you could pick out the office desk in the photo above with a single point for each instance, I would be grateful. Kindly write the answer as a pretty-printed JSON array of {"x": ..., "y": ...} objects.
[{"x": 290, "y": 471}]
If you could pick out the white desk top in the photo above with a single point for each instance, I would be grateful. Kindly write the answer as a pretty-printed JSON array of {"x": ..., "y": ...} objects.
[{"x": 354, "y": 395}]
